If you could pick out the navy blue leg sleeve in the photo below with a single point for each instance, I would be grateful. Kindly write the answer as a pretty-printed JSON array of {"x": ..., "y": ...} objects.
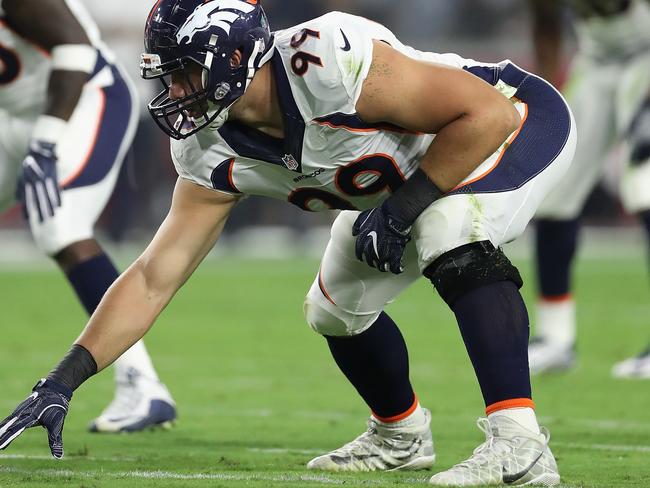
[
  {"x": 376, "y": 363},
  {"x": 556, "y": 243},
  {"x": 644, "y": 217},
  {"x": 90, "y": 280},
  {"x": 494, "y": 324}
]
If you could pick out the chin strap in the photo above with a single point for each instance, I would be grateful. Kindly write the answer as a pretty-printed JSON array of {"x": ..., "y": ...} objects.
[{"x": 252, "y": 65}]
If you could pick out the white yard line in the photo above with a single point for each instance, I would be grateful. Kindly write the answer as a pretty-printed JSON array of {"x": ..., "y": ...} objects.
[
  {"x": 171, "y": 475},
  {"x": 40, "y": 457},
  {"x": 603, "y": 447}
]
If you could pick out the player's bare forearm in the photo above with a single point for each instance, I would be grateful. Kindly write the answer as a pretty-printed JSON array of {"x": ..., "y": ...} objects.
[
  {"x": 125, "y": 314},
  {"x": 459, "y": 147},
  {"x": 470, "y": 117},
  {"x": 132, "y": 303},
  {"x": 63, "y": 93}
]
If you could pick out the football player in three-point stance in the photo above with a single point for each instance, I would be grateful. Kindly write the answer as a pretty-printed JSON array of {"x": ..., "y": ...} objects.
[
  {"x": 435, "y": 160},
  {"x": 68, "y": 113},
  {"x": 608, "y": 89}
]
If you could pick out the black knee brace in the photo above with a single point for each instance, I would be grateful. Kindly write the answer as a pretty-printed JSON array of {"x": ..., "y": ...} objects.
[{"x": 468, "y": 267}]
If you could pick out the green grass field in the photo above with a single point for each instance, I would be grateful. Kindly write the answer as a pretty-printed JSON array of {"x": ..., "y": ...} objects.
[{"x": 258, "y": 394}]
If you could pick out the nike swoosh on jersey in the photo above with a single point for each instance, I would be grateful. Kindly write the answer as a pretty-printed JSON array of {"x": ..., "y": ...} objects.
[
  {"x": 346, "y": 46},
  {"x": 513, "y": 477},
  {"x": 373, "y": 236}
]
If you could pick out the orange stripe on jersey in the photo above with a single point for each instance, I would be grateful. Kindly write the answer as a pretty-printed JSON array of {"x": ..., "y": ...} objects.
[
  {"x": 556, "y": 298},
  {"x": 321, "y": 285},
  {"x": 503, "y": 151},
  {"x": 388, "y": 128},
  {"x": 89, "y": 153},
  {"x": 401, "y": 416},
  {"x": 512, "y": 403},
  {"x": 230, "y": 170}
]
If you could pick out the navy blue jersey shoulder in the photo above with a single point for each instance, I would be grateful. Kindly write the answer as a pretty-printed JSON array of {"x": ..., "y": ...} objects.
[{"x": 541, "y": 138}]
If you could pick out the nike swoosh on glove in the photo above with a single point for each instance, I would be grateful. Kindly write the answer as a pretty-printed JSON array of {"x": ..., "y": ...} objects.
[
  {"x": 38, "y": 186},
  {"x": 381, "y": 239},
  {"x": 47, "y": 406}
]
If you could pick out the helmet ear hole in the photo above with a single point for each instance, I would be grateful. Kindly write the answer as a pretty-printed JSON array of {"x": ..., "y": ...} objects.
[{"x": 235, "y": 58}]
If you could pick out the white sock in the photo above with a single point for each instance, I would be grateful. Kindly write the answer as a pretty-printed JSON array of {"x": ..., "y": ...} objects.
[
  {"x": 137, "y": 358},
  {"x": 524, "y": 416},
  {"x": 556, "y": 321},
  {"x": 415, "y": 418}
]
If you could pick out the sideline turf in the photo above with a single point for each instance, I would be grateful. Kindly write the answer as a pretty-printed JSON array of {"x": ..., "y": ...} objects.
[{"x": 258, "y": 395}]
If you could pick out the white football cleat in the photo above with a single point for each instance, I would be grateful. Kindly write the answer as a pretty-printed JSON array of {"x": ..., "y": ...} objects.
[
  {"x": 140, "y": 403},
  {"x": 511, "y": 455},
  {"x": 637, "y": 367},
  {"x": 383, "y": 447},
  {"x": 546, "y": 356}
]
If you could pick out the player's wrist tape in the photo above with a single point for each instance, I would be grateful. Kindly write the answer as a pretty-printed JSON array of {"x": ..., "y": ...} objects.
[
  {"x": 75, "y": 368},
  {"x": 48, "y": 129},
  {"x": 412, "y": 198},
  {"x": 53, "y": 385},
  {"x": 74, "y": 57}
]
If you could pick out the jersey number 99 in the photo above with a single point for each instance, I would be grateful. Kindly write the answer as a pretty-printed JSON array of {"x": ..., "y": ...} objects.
[{"x": 380, "y": 171}]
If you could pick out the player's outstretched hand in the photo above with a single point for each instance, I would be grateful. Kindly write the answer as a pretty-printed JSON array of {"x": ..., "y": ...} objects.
[
  {"x": 381, "y": 239},
  {"x": 38, "y": 187},
  {"x": 47, "y": 406}
]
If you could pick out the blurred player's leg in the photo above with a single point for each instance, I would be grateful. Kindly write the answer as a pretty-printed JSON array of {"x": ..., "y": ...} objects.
[
  {"x": 590, "y": 92},
  {"x": 553, "y": 347},
  {"x": 345, "y": 305},
  {"x": 100, "y": 132},
  {"x": 636, "y": 198}
]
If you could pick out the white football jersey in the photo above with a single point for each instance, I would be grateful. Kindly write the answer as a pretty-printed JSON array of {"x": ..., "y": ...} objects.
[
  {"x": 329, "y": 158},
  {"x": 25, "y": 66},
  {"x": 612, "y": 28}
]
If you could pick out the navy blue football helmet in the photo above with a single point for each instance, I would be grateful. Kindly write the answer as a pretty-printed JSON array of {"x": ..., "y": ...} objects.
[{"x": 184, "y": 34}]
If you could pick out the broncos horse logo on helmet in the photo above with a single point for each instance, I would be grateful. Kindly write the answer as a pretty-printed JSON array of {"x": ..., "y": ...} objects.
[
  {"x": 183, "y": 33},
  {"x": 208, "y": 15}
]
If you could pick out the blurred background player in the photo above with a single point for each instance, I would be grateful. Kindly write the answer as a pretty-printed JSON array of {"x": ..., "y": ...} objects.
[
  {"x": 67, "y": 118},
  {"x": 607, "y": 89}
]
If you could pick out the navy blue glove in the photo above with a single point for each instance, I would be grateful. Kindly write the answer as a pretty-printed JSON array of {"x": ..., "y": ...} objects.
[
  {"x": 47, "y": 406},
  {"x": 381, "y": 239},
  {"x": 383, "y": 232},
  {"x": 38, "y": 187}
]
